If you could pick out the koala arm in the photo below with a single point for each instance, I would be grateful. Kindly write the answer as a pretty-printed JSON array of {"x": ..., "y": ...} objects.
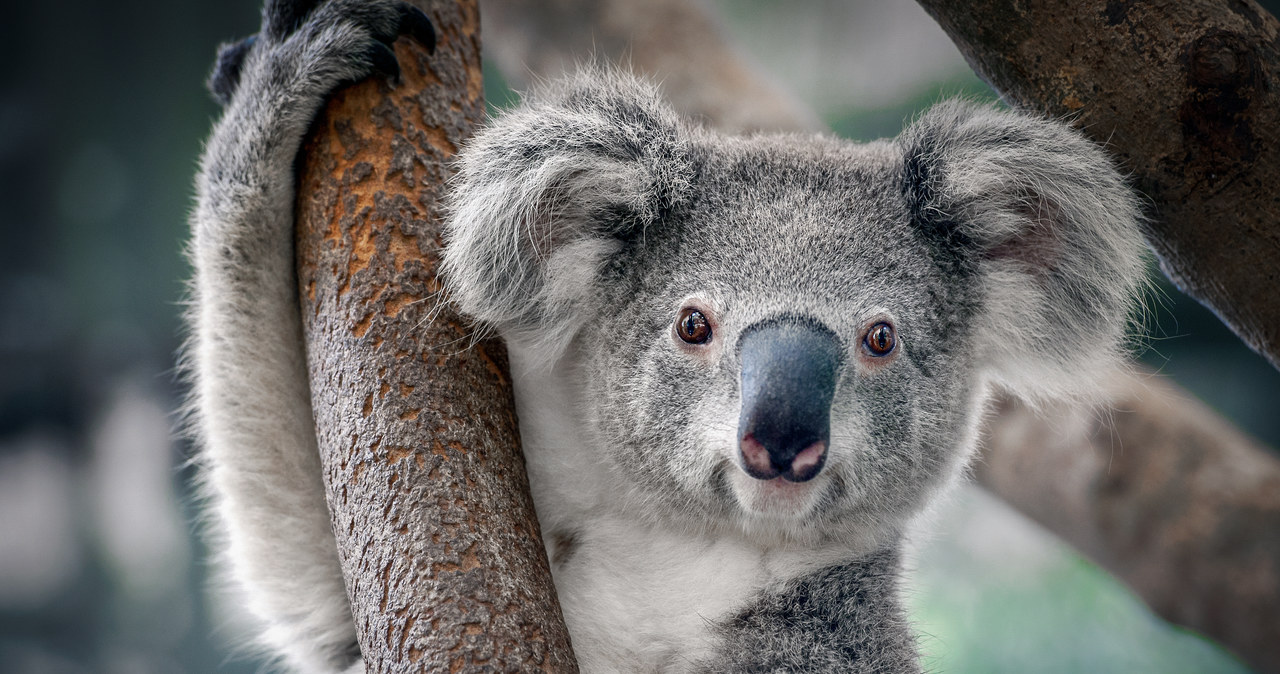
[
  {"x": 843, "y": 618},
  {"x": 250, "y": 406}
]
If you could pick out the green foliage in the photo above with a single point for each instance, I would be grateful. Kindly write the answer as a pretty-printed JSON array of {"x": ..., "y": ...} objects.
[{"x": 1023, "y": 602}]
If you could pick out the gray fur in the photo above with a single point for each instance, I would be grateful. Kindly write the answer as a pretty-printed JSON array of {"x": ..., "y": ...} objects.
[
  {"x": 250, "y": 405},
  {"x": 1003, "y": 247},
  {"x": 844, "y": 618},
  {"x": 592, "y": 207}
]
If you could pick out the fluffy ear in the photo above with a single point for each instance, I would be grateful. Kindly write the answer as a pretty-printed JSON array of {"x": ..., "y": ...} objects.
[
  {"x": 1040, "y": 219},
  {"x": 548, "y": 191}
]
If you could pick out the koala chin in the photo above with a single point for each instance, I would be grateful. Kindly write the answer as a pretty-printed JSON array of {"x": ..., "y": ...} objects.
[{"x": 743, "y": 365}]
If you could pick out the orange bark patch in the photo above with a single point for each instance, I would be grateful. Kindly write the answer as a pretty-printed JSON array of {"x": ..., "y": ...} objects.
[
  {"x": 397, "y": 454},
  {"x": 362, "y": 326}
]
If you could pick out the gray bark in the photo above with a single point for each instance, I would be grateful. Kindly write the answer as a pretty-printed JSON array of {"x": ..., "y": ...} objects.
[{"x": 1186, "y": 95}]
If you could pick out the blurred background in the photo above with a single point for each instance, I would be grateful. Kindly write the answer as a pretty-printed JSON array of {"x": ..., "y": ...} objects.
[{"x": 102, "y": 569}]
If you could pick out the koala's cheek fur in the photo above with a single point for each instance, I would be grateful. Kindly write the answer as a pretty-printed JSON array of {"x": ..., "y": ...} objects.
[
  {"x": 714, "y": 441},
  {"x": 660, "y": 416}
]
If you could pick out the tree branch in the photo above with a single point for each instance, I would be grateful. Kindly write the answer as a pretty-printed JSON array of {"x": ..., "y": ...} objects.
[
  {"x": 1206, "y": 517},
  {"x": 1187, "y": 96},
  {"x": 439, "y": 544},
  {"x": 1163, "y": 493}
]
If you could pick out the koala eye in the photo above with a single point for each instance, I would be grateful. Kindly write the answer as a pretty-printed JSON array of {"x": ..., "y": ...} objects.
[
  {"x": 880, "y": 339},
  {"x": 693, "y": 327}
]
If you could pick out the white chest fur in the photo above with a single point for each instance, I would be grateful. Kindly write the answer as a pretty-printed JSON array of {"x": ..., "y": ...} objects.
[
  {"x": 643, "y": 602},
  {"x": 636, "y": 597}
]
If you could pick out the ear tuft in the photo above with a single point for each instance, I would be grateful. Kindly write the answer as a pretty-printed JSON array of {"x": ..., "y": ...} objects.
[
  {"x": 1039, "y": 217},
  {"x": 548, "y": 191}
]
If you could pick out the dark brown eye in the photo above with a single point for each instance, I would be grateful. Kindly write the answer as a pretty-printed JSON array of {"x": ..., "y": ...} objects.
[
  {"x": 880, "y": 339},
  {"x": 693, "y": 327}
]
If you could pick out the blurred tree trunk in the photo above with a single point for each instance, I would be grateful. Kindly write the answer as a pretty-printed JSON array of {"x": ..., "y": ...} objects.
[
  {"x": 670, "y": 40},
  {"x": 1160, "y": 490},
  {"x": 439, "y": 545},
  {"x": 1162, "y": 493},
  {"x": 1187, "y": 96}
]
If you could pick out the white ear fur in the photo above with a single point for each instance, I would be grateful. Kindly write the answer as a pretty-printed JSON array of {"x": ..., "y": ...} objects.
[
  {"x": 549, "y": 191},
  {"x": 1051, "y": 231}
]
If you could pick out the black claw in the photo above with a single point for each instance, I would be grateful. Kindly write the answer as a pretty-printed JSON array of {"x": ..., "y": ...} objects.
[
  {"x": 280, "y": 18},
  {"x": 416, "y": 24},
  {"x": 384, "y": 60},
  {"x": 226, "y": 70}
]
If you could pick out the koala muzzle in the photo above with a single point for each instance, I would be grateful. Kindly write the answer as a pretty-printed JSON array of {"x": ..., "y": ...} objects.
[{"x": 789, "y": 371}]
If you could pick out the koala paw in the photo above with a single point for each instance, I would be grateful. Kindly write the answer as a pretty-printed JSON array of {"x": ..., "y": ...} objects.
[
  {"x": 226, "y": 68},
  {"x": 320, "y": 45}
]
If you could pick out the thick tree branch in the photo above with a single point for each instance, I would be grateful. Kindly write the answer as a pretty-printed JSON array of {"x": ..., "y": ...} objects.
[
  {"x": 1187, "y": 95},
  {"x": 1198, "y": 523},
  {"x": 436, "y": 532}
]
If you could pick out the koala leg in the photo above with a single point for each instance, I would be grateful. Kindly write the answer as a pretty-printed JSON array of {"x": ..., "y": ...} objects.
[{"x": 251, "y": 407}]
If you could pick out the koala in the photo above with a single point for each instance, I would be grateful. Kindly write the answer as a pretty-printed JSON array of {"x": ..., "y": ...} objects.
[{"x": 743, "y": 365}]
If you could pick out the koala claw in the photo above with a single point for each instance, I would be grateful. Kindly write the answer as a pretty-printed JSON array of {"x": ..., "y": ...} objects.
[
  {"x": 384, "y": 60},
  {"x": 416, "y": 24},
  {"x": 226, "y": 70},
  {"x": 283, "y": 20}
]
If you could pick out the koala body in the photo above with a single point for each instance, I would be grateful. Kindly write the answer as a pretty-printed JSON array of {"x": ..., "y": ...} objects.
[
  {"x": 589, "y": 222},
  {"x": 742, "y": 365}
]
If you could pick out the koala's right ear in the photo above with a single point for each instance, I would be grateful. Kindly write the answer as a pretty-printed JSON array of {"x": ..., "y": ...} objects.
[{"x": 547, "y": 192}]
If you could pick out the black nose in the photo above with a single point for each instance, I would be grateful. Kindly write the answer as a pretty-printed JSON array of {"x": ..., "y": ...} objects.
[{"x": 789, "y": 369}]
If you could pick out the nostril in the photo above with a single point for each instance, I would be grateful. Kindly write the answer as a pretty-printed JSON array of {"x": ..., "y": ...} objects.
[
  {"x": 760, "y": 463},
  {"x": 756, "y": 459},
  {"x": 807, "y": 463}
]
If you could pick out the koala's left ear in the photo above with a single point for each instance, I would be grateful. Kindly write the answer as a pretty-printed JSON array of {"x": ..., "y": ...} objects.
[
  {"x": 1038, "y": 217},
  {"x": 549, "y": 191}
]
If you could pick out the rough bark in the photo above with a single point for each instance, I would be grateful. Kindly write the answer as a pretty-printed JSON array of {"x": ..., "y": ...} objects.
[
  {"x": 1187, "y": 95},
  {"x": 427, "y": 491},
  {"x": 1213, "y": 510},
  {"x": 1161, "y": 492}
]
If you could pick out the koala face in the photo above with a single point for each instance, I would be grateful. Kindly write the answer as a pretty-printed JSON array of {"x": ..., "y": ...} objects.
[
  {"x": 790, "y": 335},
  {"x": 771, "y": 351}
]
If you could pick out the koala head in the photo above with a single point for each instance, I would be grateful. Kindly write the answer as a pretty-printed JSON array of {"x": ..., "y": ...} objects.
[{"x": 787, "y": 334}]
